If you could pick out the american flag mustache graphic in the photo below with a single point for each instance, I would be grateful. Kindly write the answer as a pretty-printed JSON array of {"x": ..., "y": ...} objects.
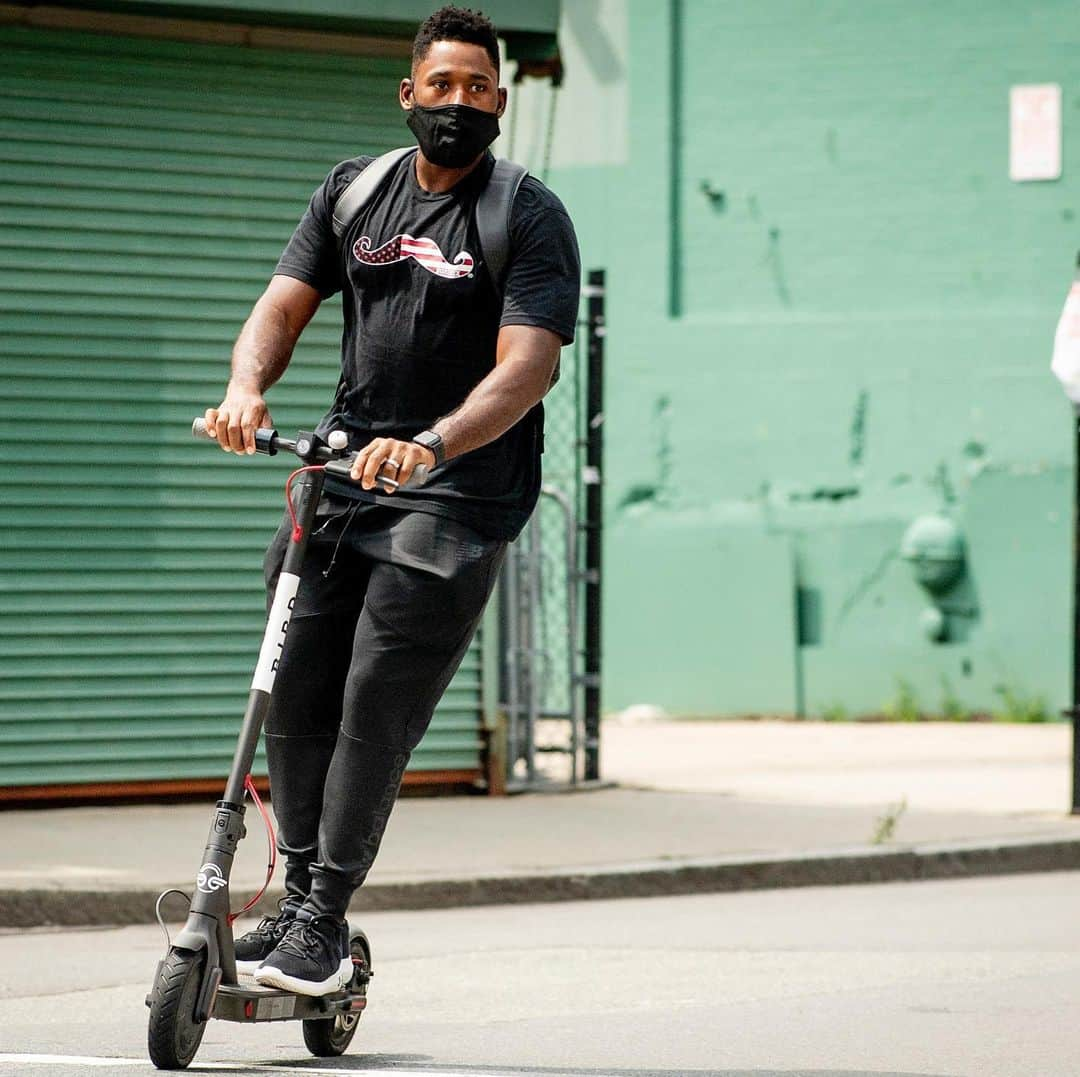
[{"x": 423, "y": 250}]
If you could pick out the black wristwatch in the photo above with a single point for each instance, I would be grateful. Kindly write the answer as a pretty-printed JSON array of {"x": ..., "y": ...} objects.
[{"x": 430, "y": 440}]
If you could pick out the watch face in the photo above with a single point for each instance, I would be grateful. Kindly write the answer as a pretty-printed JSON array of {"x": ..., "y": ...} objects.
[{"x": 430, "y": 440}]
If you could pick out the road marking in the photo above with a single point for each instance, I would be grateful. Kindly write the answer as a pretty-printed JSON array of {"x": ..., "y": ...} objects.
[
  {"x": 257, "y": 1067},
  {"x": 69, "y": 1060}
]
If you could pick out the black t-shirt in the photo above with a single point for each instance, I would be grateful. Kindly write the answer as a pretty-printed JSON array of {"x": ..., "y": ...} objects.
[{"x": 422, "y": 318}]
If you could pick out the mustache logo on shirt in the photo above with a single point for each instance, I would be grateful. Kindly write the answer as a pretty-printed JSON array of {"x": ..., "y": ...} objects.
[{"x": 423, "y": 250}]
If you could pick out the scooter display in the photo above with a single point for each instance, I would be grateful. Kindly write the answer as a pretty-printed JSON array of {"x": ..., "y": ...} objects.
[{"x": 197, "y": 978}]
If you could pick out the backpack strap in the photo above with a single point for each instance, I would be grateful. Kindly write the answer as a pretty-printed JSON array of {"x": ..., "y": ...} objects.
[
  {"x": 362, "y": 189},
  {"x": 493, "y": 209}
]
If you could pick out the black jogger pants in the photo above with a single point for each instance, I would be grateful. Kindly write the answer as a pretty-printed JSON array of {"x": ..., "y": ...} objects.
[{"x": 389, "y": 600}]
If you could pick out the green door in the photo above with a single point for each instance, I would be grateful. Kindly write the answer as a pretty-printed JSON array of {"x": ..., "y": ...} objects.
[{"x": 146, "y": 190}]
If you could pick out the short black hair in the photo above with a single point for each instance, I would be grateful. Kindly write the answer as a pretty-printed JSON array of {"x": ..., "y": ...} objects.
[{"x": 451, "y": 23}]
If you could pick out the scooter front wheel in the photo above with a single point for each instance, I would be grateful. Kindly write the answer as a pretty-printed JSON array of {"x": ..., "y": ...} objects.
[{"x": 174, "y": 1034}]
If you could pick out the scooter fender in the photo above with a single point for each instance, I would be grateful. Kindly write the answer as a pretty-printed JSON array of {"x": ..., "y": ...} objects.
[
  {"x": 200, "y": 933},
  {"x": 356, "y": 934}
]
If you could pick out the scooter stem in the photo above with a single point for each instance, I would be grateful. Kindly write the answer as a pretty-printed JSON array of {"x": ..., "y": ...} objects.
[
  {"x": 277, "y": 625},
  {"x": 208, "y": 923}
]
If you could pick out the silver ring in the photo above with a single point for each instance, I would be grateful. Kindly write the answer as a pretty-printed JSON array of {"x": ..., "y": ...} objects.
[{"x": 393, "y": 463}]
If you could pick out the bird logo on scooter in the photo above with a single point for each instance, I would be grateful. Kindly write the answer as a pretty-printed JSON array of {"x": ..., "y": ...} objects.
[{"x": 210, "y": 878}]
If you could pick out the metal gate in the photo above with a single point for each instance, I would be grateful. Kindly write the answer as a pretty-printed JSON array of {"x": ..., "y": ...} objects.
[{"x": 550, "y": 588}]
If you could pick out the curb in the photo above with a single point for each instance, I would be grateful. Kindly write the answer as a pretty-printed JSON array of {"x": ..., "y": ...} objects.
[{"x": 869, "y": 864}]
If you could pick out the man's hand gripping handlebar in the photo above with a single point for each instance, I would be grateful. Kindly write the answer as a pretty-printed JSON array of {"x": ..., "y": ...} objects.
[{"x": 334, "y": 456}]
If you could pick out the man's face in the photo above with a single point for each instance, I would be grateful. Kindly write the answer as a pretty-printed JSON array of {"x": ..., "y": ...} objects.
[{"x": 454, "y": 73}]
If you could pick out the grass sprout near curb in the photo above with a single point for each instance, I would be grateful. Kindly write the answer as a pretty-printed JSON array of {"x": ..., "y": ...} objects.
[
  {"x": 952, "y": 710},
  {"x": 1017, "y": 707},
  {"x": 905, "y": 704},
  {"x": 885, "y": 826}
]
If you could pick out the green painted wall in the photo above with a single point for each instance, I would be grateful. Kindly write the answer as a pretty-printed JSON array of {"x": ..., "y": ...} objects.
[{"x": 858, "y": 332}]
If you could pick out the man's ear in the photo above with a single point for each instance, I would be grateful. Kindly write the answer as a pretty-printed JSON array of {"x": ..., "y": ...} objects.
[
  {"x": 502, "y": 101},
  {"x": 406, "y": 96}
]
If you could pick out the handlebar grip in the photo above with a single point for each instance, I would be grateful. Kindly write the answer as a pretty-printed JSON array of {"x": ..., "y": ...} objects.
[
  {"x": 341, "y": 469},
  {"x": 266, "y": 438},
  {"x": 418, "y": 477}
]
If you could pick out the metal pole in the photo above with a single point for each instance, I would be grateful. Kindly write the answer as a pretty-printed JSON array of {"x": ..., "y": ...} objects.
[
  {"x": 533, "y": 590},
  {"x": 512, "y": 639},
  {"x": 594, "y": 512},
  {"x": 1076, "y": 626}
]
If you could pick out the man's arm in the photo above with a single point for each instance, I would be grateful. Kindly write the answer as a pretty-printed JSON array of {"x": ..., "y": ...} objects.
[
  {"x": 260, "y": 356},
  {"x": 524, "y": 362}
]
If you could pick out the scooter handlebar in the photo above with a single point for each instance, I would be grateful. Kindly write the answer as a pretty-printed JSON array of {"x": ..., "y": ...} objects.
[
  {"x": 337, "y": 466},
  {"x": 342, "y": 469}
]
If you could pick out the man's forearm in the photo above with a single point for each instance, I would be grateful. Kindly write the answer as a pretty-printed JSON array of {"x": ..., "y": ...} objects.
[
  {"x": 494, "y": 405},
  {"x": 263, "y": 348},
  {"x": 261, "y": 354},
  {"x": 524, "y": 363}
]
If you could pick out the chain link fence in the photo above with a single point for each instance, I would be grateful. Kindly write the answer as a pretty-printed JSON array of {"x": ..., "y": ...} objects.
[{"x": 549, "y": 677}]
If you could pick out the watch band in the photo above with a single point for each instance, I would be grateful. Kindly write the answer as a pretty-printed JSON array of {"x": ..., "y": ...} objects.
[{"x": 430, "y": 440}]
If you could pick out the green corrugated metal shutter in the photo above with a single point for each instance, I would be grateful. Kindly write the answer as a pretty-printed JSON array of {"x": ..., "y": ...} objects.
[{"x": 146, "y": 190}]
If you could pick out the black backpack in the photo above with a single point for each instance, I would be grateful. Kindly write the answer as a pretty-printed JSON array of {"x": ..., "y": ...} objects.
[{"x": 493, "y": 207}]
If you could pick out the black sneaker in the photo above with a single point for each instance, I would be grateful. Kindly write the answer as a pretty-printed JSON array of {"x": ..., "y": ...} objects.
[
  {"x": 256, "y": 946},
  {"x": 312, "y": 959}
]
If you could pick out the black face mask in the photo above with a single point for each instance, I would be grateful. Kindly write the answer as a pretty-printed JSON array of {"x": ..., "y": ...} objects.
[{"x": 452, "y": 136}]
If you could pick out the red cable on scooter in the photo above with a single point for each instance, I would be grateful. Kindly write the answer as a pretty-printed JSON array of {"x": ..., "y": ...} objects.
[
  {"x": 249, "y": 785},
  {"x": 288, "y": 496}
]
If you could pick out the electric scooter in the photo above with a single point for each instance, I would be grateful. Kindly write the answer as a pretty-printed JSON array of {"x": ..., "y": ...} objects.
[{"x": 197, "y": 979}]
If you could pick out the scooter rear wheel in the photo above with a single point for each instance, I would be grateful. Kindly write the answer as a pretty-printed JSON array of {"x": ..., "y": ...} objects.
[
  {"x": 174, "y": 1034},
  {"x": 331, "y": 1037}
]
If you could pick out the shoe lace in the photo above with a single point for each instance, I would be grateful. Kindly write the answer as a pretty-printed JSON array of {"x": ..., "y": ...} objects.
[
  {"x": 304, "y": 936},
  {"x": 269, "y": 926}
]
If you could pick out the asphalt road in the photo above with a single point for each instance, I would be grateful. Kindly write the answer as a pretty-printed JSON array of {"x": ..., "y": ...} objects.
[{"x": 953, "y": 979}]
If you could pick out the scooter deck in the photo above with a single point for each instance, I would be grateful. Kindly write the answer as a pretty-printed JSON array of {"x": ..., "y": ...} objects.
[{"x": 253, "y": 1002}]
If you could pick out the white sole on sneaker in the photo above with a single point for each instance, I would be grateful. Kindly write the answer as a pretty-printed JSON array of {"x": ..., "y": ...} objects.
[
  {"x": 269, "y": 976},
  {"x": 247, "y": 967}
]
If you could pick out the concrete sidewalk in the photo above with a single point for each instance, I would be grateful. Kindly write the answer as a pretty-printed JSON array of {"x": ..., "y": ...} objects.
[{"x": 698, "y": 806}]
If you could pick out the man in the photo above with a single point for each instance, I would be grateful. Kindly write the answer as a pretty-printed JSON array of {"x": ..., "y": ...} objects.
[{"x": 441, "y": 366}]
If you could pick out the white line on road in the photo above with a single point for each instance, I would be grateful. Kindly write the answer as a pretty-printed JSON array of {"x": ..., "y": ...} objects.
[
  {"x": 244, "y": 1067},
  {"x": 69, "y": 1060}
]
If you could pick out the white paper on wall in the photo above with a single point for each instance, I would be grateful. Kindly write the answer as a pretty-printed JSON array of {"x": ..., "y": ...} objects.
[{"x": 1035, "y": 132}]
